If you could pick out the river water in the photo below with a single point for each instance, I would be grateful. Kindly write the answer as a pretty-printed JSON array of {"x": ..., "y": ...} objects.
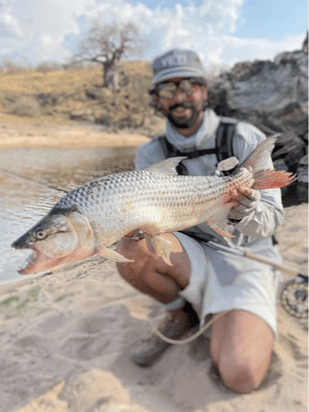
[{"x": 25, "y": 197}]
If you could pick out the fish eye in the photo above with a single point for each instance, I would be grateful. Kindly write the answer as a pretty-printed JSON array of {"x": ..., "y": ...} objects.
[{"x": 40, "y": 234}]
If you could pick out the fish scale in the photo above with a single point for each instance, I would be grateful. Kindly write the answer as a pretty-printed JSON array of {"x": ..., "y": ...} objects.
[{"x": 158, "y": 201}]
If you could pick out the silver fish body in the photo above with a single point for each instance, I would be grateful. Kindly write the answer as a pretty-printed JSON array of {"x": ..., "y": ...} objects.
[
  {"x": 120, "y": 203},
  {"x": 89, "y": 219}
]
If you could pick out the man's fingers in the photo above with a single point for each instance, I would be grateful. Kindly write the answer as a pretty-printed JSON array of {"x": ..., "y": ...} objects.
[
  {"x": 245, "y": 191},
  {"x": 238, "y": 194}
]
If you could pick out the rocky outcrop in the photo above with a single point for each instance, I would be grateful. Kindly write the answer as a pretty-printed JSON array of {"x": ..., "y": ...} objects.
[{"x": 272, "y": 95}]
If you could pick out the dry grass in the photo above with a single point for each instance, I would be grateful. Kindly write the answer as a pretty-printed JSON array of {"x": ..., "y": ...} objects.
[
  {"x": 78, "y": 94},
  {"x": 53, "y": 81}
]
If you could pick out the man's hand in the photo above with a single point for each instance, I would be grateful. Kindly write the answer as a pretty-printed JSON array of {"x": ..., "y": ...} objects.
[
  {"x": 238, "y": 194},
  {"x": 242, "y": 201}
]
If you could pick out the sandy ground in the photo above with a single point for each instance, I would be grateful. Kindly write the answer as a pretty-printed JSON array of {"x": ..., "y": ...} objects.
[{"x": 65, "y": 339}]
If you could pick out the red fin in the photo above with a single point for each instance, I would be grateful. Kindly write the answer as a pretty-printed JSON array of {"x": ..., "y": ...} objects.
[{"x": 266, "y": 179}]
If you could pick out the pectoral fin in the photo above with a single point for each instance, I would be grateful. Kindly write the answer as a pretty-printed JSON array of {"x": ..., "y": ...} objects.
[
  {"x": 159, "y": 246},
  {"x": 112, "y": 255}
]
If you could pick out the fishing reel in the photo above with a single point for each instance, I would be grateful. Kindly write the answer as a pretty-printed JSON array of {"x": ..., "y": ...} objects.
[{"x": 294, "y": 297}]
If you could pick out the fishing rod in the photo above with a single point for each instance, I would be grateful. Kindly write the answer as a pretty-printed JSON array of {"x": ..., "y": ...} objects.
[
  {"x": 246, "y": 253},
  {"x": 29, "y": 179}
]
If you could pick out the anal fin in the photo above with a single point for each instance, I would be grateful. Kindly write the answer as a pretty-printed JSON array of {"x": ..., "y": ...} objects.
[{"x": 112, "y": 255}]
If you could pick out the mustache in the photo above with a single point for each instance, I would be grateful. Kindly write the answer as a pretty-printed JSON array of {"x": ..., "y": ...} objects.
[{"x": 184, "y": 105}]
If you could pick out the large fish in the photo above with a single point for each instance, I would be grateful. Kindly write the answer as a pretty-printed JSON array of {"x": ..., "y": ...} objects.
[{"x": 92, "y": 217}]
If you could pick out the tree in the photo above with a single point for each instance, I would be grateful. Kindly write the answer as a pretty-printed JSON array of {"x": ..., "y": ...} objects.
[{"x": 107, "y": 44}]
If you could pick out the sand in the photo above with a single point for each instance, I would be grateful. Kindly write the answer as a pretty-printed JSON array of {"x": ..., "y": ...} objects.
[{"x": 65, "y": 338}]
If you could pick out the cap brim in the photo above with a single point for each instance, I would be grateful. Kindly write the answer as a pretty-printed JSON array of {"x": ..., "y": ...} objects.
[{"x": 174, "y": 72}]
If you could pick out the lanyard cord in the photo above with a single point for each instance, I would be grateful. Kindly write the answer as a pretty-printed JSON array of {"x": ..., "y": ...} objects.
[{"x": 191, "y": 338}]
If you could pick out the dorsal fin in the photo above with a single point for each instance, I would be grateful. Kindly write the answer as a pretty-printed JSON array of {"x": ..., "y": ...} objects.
[{"x": 167, "y": 166}]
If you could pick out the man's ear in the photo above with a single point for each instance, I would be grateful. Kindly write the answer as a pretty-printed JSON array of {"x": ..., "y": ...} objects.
[{"x": 155, "y": 102}]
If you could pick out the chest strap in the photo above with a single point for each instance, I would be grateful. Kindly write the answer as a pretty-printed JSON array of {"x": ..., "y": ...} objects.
[{"x": 223, "y": 149}]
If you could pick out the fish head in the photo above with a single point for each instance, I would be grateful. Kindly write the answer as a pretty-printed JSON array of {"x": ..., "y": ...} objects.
[{"x": 60, "y": 238}]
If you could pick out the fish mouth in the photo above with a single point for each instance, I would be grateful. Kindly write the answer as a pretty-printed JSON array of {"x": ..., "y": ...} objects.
[
  {"x": 38, "y": 261},
  {"x": 28, "y": 266}
]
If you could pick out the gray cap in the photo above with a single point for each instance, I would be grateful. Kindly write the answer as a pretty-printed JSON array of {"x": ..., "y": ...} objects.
[{"x": 176, "y": 63}]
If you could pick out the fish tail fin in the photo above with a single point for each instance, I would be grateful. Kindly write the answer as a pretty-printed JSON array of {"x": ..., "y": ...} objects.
[
  {"x": 258, "y": 162},
  {"x": 266, "y": 179}
]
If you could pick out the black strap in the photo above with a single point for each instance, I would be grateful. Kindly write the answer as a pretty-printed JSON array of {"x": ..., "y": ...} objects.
[
  {"x": 224, "y": 140},
  {"x": 172, "y": 151},
  {"x": 223, "y": 149}
]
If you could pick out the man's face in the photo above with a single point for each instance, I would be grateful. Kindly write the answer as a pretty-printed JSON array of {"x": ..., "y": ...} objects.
[{"x": 182, "y": 101}]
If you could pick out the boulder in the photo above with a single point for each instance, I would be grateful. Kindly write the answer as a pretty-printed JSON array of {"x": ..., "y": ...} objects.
[
  {"x": 276, "y": 93},
  {"x": 277, "y": 88},
  {"x": 293, "y": 117},
  {"x": 302, "y": 181},
  {"x": 272, "y": 95},
  {"x": 290, "y": 148},
  {"x": 302, "y": 170}
]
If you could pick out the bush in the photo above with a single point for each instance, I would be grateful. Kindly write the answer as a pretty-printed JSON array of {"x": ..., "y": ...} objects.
[
  {"x": 46, "y": 67},
  {"x": 26, "y": 106},
  {"x": 11, "y": 67}
]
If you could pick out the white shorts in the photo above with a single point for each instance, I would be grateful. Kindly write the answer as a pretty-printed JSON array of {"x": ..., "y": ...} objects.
[{"x": 223, "y": 281}]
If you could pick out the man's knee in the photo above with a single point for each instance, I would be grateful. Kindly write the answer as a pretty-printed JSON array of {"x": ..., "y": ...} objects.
[{"x": 240, "y": 374}]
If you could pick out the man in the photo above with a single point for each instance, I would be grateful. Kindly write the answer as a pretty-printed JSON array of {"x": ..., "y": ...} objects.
[{"x": 202, "y": 281}]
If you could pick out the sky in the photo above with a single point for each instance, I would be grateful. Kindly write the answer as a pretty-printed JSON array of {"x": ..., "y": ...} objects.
[{"x": 223, "y": 32}]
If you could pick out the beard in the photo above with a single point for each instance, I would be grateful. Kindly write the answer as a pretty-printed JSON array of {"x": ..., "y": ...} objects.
[{"x": 189, "y": 121}]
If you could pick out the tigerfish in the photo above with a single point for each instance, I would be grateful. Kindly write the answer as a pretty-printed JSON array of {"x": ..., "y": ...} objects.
[{"x": 93, "y": 217}]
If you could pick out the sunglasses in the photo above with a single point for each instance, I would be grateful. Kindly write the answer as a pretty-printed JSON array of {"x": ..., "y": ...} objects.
[{"x": 168, "y": 90}]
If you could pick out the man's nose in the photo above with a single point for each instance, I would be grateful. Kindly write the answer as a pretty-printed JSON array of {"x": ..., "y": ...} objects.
[{"x": 180, "y": 95}]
